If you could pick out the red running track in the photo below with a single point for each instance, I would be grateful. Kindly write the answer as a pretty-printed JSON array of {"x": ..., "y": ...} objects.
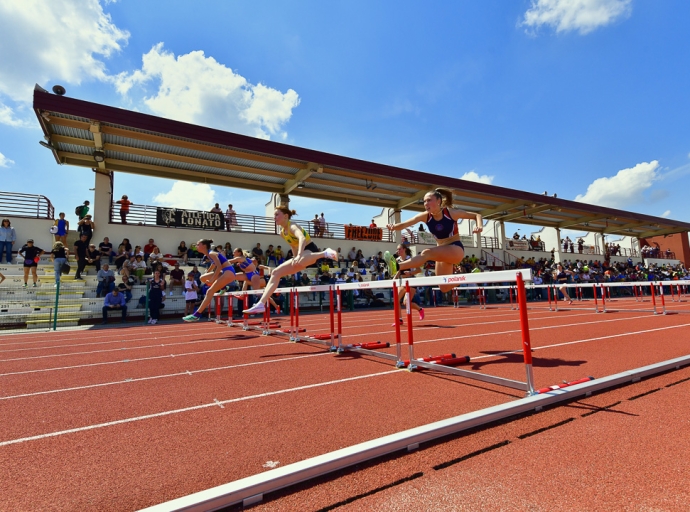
[{"x": 120, "y": 419}]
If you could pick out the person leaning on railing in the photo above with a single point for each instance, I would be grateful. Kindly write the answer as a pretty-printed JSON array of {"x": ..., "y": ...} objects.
[{"x": 124, "y": 203}]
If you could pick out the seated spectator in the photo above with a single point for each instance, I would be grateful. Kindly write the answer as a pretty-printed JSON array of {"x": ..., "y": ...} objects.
[
  {"x": 197, "y": 275},
  {"x": 128, "y": 246},
  {"x": 183, "y": 251},
  {"x": 352, "y": 255},
  {"x": 121, "y": 257},
  {"x": 106, "y": 280},
  {"x": 148, "y": 249},
  {"x": 137, "y": 252},
  {"x": 125, "y": 288},
  {"x": 227, "y": 250},
  {"x": 93, "y": 257},
  {"x": 258, "y": 254},
  {"x": 106, "y": 250},
  {"x": 138, "y": 267},
  {"x": 278, "y": 253},
  {"x": 176, "y": 276},
  {"x": 114, "y": 301},
  {"x": 270, "y": 255},
  {"x": 155, "y": 257}
]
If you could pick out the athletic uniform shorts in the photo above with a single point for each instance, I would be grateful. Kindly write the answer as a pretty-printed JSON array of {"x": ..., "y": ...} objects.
[
  {"x": 30, "y": 263},
  {"x": 227, "y": 269},
  {"x": 311, "y": 247},
  {"x": 459, "y": 244}
]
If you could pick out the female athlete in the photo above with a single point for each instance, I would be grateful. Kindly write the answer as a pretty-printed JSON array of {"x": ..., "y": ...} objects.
[
  {"x": 220, "y": 275},
  {"x": 441, "y": 220},
  {"x": 305, "y": 253},
  {"x": 251, "y": 274}
]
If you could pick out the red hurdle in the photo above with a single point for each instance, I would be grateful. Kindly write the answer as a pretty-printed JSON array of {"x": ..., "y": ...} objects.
[
  {"x": 524, "y": 327},
  {"x": 564, "y": 385},
  {"x": 651, "y": 287}
]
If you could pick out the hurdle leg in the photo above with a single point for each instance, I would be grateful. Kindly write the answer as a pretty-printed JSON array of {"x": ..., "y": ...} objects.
[
  {"x": 651, "y": 289},
  {"x": 524, "y": 328},
  {"x": 396, "y": 315},
  {"x": 603, "y": 298},
  {"x": 663, "y": 301},
  {"x": 330, "y": 305},
  {"x": 410, "y": 337},
  {"x": 548, "y": 295}
]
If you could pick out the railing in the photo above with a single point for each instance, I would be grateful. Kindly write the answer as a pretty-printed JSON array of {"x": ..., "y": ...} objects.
[
  {"x": 623, "y": 252},
  {"x": 15, "y": 204},
  {"x": 145, "y": 215},
  {"x": 661, "y": 255},
  {"x": 490, "y": 242},
  {"x": 492, "y": 260}
]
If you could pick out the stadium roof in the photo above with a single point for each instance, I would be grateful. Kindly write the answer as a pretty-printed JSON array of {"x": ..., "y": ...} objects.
[{"x": 92, "y": 135}]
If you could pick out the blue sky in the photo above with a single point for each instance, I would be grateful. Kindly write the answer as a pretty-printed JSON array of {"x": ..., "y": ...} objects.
[{"x": 584, "y": 98}]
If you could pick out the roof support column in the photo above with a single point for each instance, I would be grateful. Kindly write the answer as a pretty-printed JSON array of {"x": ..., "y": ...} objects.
[
  {"x": 603, "y": 245},
  {"x": 501, "y": 235},
  {"x": 102, "y": 197},
  {"x": 559, "y": 246}
]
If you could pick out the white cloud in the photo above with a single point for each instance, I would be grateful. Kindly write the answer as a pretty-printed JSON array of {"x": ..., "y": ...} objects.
[
  {"x": 473, "y": 176},
  {"x": 188, "y": 196},
  {"x": 666, "y": 214},
  {"x": 60, "y": 40},
  {"x": 581, "y": 15},
  {"x": 8, "y": 117},
  {"x": 197, "y": 89},
  {"x": 4, "y": 161},
  {"x": 623, "y": 189}
]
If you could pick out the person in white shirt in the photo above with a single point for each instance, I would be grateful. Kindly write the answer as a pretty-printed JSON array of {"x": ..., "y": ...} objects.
[{"x": 190, "y": 294}]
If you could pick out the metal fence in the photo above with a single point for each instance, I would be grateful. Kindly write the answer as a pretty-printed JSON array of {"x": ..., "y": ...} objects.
[{"x": 15, "y": 204}]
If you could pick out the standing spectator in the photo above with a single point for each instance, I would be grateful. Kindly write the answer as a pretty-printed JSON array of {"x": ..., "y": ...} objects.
[
  {"x": 86, "y": 227},
  {"x": 81, "y": 210},
  {"x": 59, "y": 256},
  {"x": 279, "y": 254},
  {"x": 322, "y": 225},
  {"x": 114, "y": 301},
  {"x": 373, "y": 224},
  {"x": 148, "y": 249},
  {"x": 341, "y": 258},
  {"x": 80, "y": 248},
  {"x": 62, "y": 226},
  {"x": 7, "y": 239},
  {"x": 352, "y": 256},
  {"x": 580, "y": 245},
  {"x": 106, "y": 280},
  {"x": 258, "y": 253},
  {"x": 106, "y": 250},
  {"x": 124, "y": 203},
  {"x": 217, "y": 209},
  {"x": 271, "y": 255},
  {"x": 317, "y": 225},
  {"x": 176, "y": 277},
  {"x": 31, "y": 255},
  {"x": 156, "y": 293},
  {"x": 190, "y": 293},
  {"x": 197, "y": 275},
  {"x": 227, "y": 249},
  {"x": 230, "y": 218}
]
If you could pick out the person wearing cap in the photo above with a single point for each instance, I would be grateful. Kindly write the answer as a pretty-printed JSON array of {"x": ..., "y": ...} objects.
[
  {"x": 31, "y": 255},
  {"x": 176, "y": 277},
  {"x": 86, "y": 227}
]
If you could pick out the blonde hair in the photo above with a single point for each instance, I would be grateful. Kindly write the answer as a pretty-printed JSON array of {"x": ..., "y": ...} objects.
[{"x": 58, "y": 245}]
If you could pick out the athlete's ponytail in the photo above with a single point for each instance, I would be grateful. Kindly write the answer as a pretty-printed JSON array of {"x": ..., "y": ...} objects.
[
  {"x": 286, "y": 210},
  {"x": 207, "y": 242},
  {"x": 445, "y": 196}
]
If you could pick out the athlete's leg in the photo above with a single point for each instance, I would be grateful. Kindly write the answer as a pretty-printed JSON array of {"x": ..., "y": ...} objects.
[{"x": 225, "y": 279}]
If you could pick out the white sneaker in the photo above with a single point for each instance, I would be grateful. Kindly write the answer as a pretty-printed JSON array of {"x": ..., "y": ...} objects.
[
  {"x": 154, "y": 321},
  {"x": 331, "y": 254},
  {"x": 255, "y": 309},
  {"x": 150, "y": 321}
]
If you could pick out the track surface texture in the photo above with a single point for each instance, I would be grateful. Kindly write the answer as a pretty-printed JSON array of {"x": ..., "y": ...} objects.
[{"x": 121, "y": 419}]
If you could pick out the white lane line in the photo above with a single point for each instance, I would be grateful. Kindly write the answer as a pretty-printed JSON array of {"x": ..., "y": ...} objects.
[
  {"x": 163, "y": 376},
  {"x": 575, "y": 342},
  {"x": 151, "y": 358},
  {"x": 193, "y": 408}
]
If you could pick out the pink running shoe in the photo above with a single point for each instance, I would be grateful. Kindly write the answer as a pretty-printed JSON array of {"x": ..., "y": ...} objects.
[
  {"x": 401, "y": 322},
  {"x": 421, "y": 313}
]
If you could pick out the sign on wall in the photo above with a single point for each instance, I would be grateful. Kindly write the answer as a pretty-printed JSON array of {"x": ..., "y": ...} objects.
[{"x": 189, "y": 219}]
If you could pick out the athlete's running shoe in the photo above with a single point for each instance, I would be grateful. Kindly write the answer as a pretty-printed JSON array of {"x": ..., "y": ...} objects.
[
  {"x": 421, "y": 313},
  {"x": 331, "y": 254},
  {"x": 255, "y": 309},
  {"x": 400, "y": 320},
  {"x": 391, "y": 263},
  {"x": 190, "y": 318}
]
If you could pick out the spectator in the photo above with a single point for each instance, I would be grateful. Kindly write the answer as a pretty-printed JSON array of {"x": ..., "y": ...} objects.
[
  {"x": 176, "y": 277},
  {"x": 155, "y": 257},
  {"x": 258, "y": 253},
  {"x": 139, "y": 267},
  {"x": 421, "y": 228},
  {"x": 352, "y": 256},
  {"x": 217, "y": 209},
  {"x": 373, "y": 224},
  {"x": 197, "y": 275},
  {"x": 148, "y": 249},
  {"x": 7, "y": 239},
  {"x": 190, "y": 293},
  {"x": 279, "y": 255},
  {"x": 322, "y": 225},
  {"x": 124, "y": 203},
  {"x": 86, "y": 227},
  {"x": 516, "y": 236},
  {"x": 317, "y": 225},
  {"x": 270, "y": 255},
  {"x": 31, "y": 255},
  {"x": 80, "y": 248},
  {"x": 82, "y": 210},
  {"x": 59, "y": 256},
  {"x": 106, "y": 280},
  {"x": 125, "y": 288},
  {"x": 230, "y": 218},
  {"x": 183, "y": 251},
  {"x": 93, "y": 257},
  {"x": 227, "y": 249},
  {"x": 341, "y": 258},
  {"x": 128, "y": 246},
  {"x": 114, "y": 301},
  {"x": 136, "y": 252},
  {"x": 156, "y": 291},
  {"x": 106, "y": 250},
  {"x": 126, "y": 269},
  {"x": 61, "y": 229}
]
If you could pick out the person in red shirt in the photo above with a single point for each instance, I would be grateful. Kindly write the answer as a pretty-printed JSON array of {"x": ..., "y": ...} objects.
[
  {"x": 124, "y": 208},
  {"x": 373, "y": 224},
  {"x": 148, "y": 249}
]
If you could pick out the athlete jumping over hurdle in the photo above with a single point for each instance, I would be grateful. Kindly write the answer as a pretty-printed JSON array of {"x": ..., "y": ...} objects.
[
  {"x": 219, "y": 275},
  {"x": 250, "y": 273},
  {"x": 441, "y": 219},
  {"x": 305, "y": 253}
]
